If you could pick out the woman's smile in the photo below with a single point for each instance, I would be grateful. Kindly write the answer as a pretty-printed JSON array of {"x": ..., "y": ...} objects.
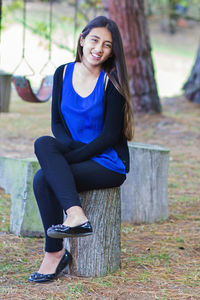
[{"x": 96, "y": 56}]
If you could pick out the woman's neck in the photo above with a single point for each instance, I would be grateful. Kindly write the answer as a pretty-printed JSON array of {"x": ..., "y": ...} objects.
[
  {"x": 88, "y": 70},
  {"x": 84, "y": 79}
]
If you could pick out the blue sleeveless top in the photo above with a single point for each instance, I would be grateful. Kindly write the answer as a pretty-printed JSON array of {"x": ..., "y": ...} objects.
[{"x": 84, "y": 118}]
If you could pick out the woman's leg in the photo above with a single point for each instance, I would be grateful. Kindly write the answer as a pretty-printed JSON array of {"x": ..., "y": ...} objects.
[
  {"x": 50, "y": 210},
  {"x": 51, "y": 213},
  {"x": 90, "y": 175},
  {"x": 57, "y": 172},
  {"x": 50, "y": 154},
  {"x": 67, "y": 180},
  {"x": 54, "y": 190}
]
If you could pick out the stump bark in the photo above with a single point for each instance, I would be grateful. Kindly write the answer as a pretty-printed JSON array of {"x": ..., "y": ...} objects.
[
  {"x": 98, "y": 254},
  {"x": 144, "y": 194},
  {"x": 16, "y": 178}
]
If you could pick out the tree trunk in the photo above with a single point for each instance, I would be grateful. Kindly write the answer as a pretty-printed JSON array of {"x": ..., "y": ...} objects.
[
  {"x": 129, "y": 16},
  {"x": 192, "y": 85}
]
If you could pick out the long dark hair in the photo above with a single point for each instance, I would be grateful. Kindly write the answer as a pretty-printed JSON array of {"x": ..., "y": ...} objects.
[{"x": 114, "y": 66}]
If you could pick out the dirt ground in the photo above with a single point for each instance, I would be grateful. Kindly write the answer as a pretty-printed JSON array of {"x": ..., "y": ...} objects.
[{"x": 158, "y": 261}]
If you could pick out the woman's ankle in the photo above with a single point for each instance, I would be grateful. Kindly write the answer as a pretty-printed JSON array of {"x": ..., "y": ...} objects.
[
  {"x": 57, "y": 254},
  {"x": 75, "y": 216},
  {"x": 50, "y": 261}
]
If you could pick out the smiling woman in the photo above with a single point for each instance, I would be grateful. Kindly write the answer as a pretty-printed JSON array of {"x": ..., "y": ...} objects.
[
  {"x": 91, "y": 122},
  {"x": 97, "y": 48}
]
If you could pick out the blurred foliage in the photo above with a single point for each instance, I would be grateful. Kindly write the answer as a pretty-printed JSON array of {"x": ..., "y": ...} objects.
[
  {"x": 81, "y": 11},
  {"x": 156, "y": 7},
  {"x": 86, "y": 9},
  {"x": 9, "y": 9},
  {"x": 38, "y": 22},
  {"x": 41, "y": 27}
]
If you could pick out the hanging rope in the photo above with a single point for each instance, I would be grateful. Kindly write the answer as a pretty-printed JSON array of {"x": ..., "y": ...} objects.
[
  {"x": 75, "y": 25},
  {"x": 49, "y": 38},
  {"x": 22, "y": 84},
  {"x": 23, "y": 58}
]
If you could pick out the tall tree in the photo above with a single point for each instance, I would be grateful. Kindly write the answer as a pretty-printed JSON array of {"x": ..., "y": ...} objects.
[
  {"x": 192, "y": 85},
  {"x": 130, "y": 17}
]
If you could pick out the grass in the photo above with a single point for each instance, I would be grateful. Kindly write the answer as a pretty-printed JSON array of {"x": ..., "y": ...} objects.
[
  {"x": 158, "y": 261},
  {"x": 4, "y": 212},
  {"x": 171, "y": 50}
]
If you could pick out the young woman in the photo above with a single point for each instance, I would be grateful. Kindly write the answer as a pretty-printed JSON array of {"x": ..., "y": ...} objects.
[{"x": 91, "y": 122}]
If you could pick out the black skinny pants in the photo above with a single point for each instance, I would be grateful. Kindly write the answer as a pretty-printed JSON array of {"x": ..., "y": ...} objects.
[{"x": 57, "y": 183}]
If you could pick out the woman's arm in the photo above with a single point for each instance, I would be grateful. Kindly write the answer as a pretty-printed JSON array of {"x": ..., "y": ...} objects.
[
  {"x": 112, "y": 128},
  {"x": 57, "y": 124}
]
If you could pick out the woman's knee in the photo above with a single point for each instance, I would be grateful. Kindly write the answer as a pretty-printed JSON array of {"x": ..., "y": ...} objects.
[{"x": 42, "y": 143}]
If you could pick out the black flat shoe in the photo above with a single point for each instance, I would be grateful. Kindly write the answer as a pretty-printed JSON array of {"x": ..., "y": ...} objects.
[
  {"x": 62, "y": 231},
  {"x": 42, "y": 278}
]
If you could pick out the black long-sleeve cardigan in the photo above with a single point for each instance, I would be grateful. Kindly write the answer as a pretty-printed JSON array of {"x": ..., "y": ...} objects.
[{"x": 111, "y": 135}]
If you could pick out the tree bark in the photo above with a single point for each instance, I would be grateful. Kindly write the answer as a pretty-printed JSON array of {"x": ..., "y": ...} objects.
[
  {"x": 130, "y": 18},
  {"x": 5, "y": 91},
  {"x": 99, "y": 253},
  {"x": 144, "y": 194},
  {"x": 192, "y": 85}
]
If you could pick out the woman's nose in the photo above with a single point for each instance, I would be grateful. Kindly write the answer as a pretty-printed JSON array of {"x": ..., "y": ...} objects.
[{"x": 99, "y": 47}]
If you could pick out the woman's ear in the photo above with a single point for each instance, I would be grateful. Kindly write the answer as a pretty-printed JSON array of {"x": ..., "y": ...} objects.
[{"x": 82, "y": 41}]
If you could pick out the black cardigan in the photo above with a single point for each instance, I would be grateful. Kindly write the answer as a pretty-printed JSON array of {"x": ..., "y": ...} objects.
[{"x": 111, "y": 135}]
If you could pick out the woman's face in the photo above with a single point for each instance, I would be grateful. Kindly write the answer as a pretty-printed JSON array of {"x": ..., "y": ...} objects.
[{"x": 97, "y": 46}]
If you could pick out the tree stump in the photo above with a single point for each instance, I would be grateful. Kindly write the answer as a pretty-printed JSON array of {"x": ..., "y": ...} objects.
[
  {"x": 98, "y": 254},
  {"x": 5, "y": 88},
  {"x": 16, "y": 178},
  {"x": 144, "y": 194}
]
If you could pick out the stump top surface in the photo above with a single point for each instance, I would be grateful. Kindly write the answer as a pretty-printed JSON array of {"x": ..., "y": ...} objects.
[{"x": 148, "y": 147}]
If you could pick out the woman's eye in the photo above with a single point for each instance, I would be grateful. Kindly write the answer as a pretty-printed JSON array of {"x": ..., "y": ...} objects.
[
  {"x": 107, "y": 45},
  {"x": 94, "y": 40}
]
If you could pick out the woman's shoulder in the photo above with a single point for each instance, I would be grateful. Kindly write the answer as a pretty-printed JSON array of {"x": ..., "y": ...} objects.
[
  {"x": 112, "y": 87},
  {"x": 112, "y": 92},
  {"x": 112, "y": 81},
  {"x": 60, "y": 69}
]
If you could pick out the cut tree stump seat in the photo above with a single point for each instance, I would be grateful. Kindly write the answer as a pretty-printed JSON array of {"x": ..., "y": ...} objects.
[
  {"x": 16, "y": 178},
  {"x": 5, "y": 90},
  {"x": 144, "y": 194},
  {"x": 98, "y": 254},
  {"x": 143, "y": 199}
]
